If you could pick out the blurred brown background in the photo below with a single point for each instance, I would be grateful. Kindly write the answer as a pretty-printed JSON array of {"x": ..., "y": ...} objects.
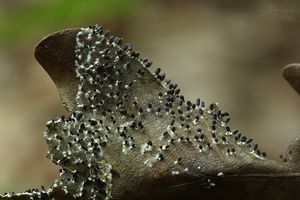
[{"x": 229, "y": 52}]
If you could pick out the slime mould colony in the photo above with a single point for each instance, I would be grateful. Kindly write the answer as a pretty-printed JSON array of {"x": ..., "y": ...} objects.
[{"x": 129, "y": 126}]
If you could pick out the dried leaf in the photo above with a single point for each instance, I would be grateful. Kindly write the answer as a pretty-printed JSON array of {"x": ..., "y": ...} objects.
[{"x": 132, "y": 135}]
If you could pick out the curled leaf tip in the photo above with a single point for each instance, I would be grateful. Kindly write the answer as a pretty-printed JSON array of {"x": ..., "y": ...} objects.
[
  {"x": 291, "y": 73},
  {"x": 56, "y": 54}
]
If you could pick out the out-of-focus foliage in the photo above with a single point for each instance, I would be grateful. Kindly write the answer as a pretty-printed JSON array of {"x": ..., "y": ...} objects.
[{"x": 46, "y": 16}]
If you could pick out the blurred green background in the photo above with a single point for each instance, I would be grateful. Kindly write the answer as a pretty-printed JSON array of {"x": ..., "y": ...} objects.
[{"x": 229, "y": 52}]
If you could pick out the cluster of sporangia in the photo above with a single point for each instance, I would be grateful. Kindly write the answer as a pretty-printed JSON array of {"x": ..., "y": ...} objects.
[{"x": 118, "y": 103}]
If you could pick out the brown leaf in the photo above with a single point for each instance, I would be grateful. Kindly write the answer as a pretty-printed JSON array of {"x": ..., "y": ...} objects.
[{"x": 132, "y": 135}]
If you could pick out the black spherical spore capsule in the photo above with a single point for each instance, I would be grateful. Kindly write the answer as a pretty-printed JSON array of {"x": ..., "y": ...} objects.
[
  {"x": 161, "y": 77},
  {"x": 198, "y": 101},
  {"x": 211, "y": 107},
  {"x": 249, "y": 140},
  {"x": 201, "y": 112},
  {"x": 224, "y": 138},
  {"x": 157, "y": 71}
]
